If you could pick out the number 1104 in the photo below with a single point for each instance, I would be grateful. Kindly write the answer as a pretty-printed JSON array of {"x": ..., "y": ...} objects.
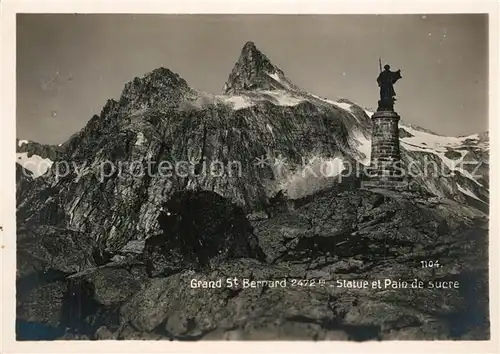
[{"x": 429, "y": 264}]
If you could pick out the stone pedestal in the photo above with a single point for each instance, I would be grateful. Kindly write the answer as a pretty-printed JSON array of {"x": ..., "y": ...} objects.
[
  {"x": 386, "y": 170},
  {"x": 385, "y": 154}
]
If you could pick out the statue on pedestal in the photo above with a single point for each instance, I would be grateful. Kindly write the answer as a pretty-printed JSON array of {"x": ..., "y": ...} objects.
[{"x": 386, "y": 81}]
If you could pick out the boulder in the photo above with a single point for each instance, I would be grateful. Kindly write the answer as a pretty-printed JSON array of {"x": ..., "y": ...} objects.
[{"x": 199, "y": 229}]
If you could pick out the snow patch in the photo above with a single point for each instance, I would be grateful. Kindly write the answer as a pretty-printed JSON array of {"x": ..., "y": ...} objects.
[
  {"x": 277, "y": 97},
  {"x": 21, "y": 142},
  {"x": 283, "y": 98},
  {"x": 472, "y": 137},
  {"x": 368, "y": 113},
  {"x": 312, "y": 175},
  {"x": 436, "y": 142},
  {"x": 140, "y": 139},
  {"x": 363, "y": 145},
  {"x": 35, "y": 164},
  {"x": 275, "y": 76},
  {"x": 343, "y": 105},
  {"x": 440, "y": 145},
  {"x": 468, "y": 192},
  {"x": 270, "y": 128},
  {"x": 238, "y": 102},
  {"x": 323, "y": 99}
]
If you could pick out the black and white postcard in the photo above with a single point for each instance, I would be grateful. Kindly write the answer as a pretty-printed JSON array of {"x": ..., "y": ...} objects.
[{"x": 249, "y": 177}]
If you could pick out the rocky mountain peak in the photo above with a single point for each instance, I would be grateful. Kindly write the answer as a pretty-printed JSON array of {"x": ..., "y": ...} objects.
[
  {"x": 254, "y": 70},
  {"x": 158, "y": 86},
  {"x": 250, "y": 47}
]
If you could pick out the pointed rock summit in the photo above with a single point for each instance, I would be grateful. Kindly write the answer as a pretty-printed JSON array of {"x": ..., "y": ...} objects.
[
  {"x": 254, "y": 71},
  {"x": 160, "y": 86}
]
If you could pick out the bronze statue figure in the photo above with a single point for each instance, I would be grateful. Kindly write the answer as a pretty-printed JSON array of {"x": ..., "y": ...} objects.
[{"x": 386, "y": 81}]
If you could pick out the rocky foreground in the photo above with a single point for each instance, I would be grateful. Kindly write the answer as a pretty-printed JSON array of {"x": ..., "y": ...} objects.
[{"x": 70, "y": 288}]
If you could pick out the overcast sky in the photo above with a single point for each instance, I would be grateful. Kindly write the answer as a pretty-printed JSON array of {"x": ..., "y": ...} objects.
[{"x": 69, "y": 65}]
